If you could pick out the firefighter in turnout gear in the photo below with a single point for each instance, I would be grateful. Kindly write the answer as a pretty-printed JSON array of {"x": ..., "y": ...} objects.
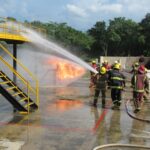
[
  {"x": 117, "y": 83},
  {"x": 93, "y": 75},
  {"x": 101, "y": 86},
  {"x": 139, "y": 82},
  {"x": 135, "y": 67}
]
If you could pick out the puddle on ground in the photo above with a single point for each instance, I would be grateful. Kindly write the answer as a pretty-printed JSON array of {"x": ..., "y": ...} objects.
[{"x": 65, "y": 104}]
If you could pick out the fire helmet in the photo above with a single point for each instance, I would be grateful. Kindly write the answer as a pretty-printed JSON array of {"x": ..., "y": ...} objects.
[
  {"x": 117, "y": 66},
  {"x": 115, "y": 62},
  {"x": 103, "y": 70},
  {"x": 105, "y": 61},
  {"x": 93, "y": 61},
  {"x": 136, "y": 64}
]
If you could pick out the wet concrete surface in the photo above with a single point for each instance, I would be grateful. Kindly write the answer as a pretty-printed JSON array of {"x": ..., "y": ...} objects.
[{"x": 66, "y": 121}]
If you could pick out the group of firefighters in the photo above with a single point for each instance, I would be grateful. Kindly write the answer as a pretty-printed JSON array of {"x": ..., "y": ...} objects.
[{"x": 110, "y": 77}]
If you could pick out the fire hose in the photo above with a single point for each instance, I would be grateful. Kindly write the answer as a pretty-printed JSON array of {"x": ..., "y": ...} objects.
[
  {"x": 121, "y": 145},
  {"x": 132, "y": 116}
]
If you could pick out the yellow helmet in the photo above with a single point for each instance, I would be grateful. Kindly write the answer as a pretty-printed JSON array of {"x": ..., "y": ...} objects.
[
  {"x": 136, "y": 64},
  {"x": 105, "y": 61},
  {"x": 117, "y": 66},
  {"x": 93, "y": 61},
  {"x": 115, "y": 62},
  {"x": 103, "y": 70}
]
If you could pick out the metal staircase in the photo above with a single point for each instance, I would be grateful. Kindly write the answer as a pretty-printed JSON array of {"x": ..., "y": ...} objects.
[
  {"x": 15, "y": 95},
  {"x": 22, "y": 93}
]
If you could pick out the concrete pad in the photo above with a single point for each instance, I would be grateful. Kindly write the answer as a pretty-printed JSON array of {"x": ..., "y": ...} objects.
[{"x": 66, "y": 121}]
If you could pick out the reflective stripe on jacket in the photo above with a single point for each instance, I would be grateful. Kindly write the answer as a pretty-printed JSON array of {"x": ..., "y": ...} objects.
[
  {"x": 102, "y": 81},
  {"x": 117, "y": 79},
  {"x": 139, "y": 82}
]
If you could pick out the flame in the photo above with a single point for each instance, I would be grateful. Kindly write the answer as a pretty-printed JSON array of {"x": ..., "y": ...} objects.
[{"x": 66, "y": 70}]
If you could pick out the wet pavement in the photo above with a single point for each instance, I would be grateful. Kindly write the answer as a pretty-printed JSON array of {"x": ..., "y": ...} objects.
[{"x": 66, "y": 121}]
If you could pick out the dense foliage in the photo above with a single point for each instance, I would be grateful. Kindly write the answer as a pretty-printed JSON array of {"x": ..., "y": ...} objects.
[
  {"x": 76, "y": 41},
  {"x": 120, "y": 37}
]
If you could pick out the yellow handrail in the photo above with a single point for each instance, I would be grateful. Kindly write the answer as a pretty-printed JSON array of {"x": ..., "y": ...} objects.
[
  {"x": 19, "y": 24},
  {"x": 13, "y": 70},
  {"x": 27, "y": 70},
  {"x": 22, "y": 79},
  {"x": 12, "y": 32}
]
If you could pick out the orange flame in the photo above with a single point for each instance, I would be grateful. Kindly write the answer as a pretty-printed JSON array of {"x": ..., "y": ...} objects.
[{"x": 66, "y": 70}]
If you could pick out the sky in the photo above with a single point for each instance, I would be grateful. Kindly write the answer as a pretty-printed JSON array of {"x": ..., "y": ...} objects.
[{"x": 80, "y": 14}]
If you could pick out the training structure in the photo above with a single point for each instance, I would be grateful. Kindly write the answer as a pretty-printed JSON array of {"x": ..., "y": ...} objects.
[{"x": 17, "y": 83}]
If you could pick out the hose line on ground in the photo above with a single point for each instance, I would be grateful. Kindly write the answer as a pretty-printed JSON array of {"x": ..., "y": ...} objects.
[
  {"x": 132, "y": 116},
  {"x": 121, "y": 145}
]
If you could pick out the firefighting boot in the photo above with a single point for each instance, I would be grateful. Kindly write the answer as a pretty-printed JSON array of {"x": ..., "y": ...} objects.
[
  {"x": 115, "y": 106},
  {"x": 136, "y": 106},
  {"x": 118, "y": 104}
]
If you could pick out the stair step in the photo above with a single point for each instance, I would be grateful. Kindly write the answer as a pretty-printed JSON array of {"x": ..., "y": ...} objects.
[
  {"x": 29, "y": 104},
  {"x": 11, "y": 88},
  {"x": 1, "y": 76},
  {"x": 17, "y": 93},
  {"x": 5, "y": 82},
  {"x": 23, "y": 112},
  {"x": 23, "y": 99}
]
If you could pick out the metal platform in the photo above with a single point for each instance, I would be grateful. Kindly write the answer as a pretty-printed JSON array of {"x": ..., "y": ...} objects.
[{"x": 12, "y": 38}]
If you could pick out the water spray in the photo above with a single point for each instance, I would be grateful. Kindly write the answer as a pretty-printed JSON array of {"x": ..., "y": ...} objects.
[{"x": 39, "y": 41}]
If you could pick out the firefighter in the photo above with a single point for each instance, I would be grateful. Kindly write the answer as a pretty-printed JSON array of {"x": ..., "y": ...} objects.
[
  {"x": 139, "y": 81},
  {"x": 142, "y": 63},
  {"x": 117, "y": 82},
  {"x": 106, "y": 65},
  {"x": 135, "y": 67},
  {"x": 93, "y": 75},
  {"x": 101, "y": 86}
]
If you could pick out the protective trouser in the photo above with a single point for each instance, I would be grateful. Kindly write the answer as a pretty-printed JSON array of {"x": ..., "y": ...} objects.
[
  {"x": 116, "y": 96},
  {"x": 97, "y": 92},
  {"x": 138, "y": 96}
]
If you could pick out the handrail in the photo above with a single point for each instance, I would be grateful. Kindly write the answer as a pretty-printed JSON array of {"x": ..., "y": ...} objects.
[
  {"x": 16, "y": 73},
  {"x": 15, "y": 30},
  {"x": 22, "y": 79},
  {"x": 40, "y": 30},
  {"x": 12, "y": 69},
  {"x": 25, "y": 82},
  {"x": 27, "y": 70}
]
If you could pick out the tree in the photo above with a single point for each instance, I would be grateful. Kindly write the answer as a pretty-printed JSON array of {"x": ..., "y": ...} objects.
[
  {"x": 11, "y": 19},
  {"x": 145, "y": 30},
  {"x": 99, "y": 33},
  {"x": 79, "y": 42},
  {"x": 123, "y": 37}
]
